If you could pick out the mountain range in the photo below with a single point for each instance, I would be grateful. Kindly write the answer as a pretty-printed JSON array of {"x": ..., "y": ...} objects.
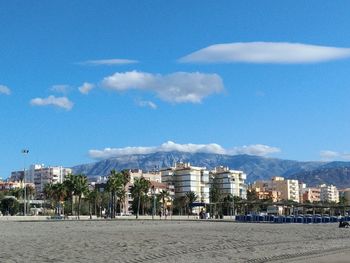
[{"x": 256, "y": 167}]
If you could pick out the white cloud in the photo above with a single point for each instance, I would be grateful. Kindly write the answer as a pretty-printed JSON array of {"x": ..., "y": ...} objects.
[
  {"x": 5, "y": 90},
  {"x": 61, "y": 102},
  {"x": 169, "y": 146},
  {"x": 266, "y": 52},
  {"x": 178, "y": 87},
  {"x": 109, "y": 62},
  {"x": 146, "y": 103},
  {"x": 61, "y": 88},
  {"x": 256, "y": 149},
  {"x": 332, "y": 155},
  {"x": 86, "y": 88}
]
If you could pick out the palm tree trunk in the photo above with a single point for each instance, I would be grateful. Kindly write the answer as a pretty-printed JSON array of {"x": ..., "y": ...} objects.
[
  {"x": 138, "y": 206},
  {"x": 116, "y": 203},
  {"x": 79, "y": 203},
  {"x": 71, "y": 202}
]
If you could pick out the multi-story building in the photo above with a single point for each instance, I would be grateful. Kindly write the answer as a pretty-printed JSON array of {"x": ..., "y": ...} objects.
[
  {"x": 263, "y": 190},
  {"x": 329, "y": 193},
  {"x": 30, "y": 173},
  {"x": 311, "y": 194},
  {"x": 289, "y": 189},
  {"x": 46, "y": 175},
  {"x": 229, "y": 181},
  {"x": 16, "y": 176},
  {"x": 186, "y": 178}
]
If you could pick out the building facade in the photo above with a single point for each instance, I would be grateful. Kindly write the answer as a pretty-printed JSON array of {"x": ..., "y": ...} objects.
[
  {"x": 311, "y": 194},
  {"x": 229, "y": 181},
  {"x": 329, "y": 193},
  {"x": 186, "y": 178},
  {"x": 288, "y": 188},
  {"x": 46, "y": 175}
]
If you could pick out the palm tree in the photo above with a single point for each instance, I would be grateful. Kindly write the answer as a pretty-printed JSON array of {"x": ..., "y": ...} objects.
[
  {"x": 121, "y": 195},
  {"x": 69, "y": 185},
  {"x": 92, "y": 197},
  {"x": 215, "y": 196},
  {"x": 140, "y": 188},
  {"x": 180, "y": 203},
  {"x": 80, "y": 188},
  {"x": 59, "y": 193},
  {"x": 114, "y": 184},
  {"x": 48, "y": 193},
  {"x": 228, "y": 201},
  {"x": 164, "y": 194},
  {"x": 30, "y": 190},
  {"x": 191, "y": 198}
]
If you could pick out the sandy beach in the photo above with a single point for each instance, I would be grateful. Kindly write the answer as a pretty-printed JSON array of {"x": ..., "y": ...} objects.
[{"x": 171, "y": 241}]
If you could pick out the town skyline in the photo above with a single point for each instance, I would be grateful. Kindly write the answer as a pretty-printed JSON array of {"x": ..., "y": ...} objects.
[{"x": 80, "y": 83}]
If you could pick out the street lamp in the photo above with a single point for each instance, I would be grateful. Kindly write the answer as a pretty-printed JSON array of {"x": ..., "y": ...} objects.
[{"x": 24, "y": 152}]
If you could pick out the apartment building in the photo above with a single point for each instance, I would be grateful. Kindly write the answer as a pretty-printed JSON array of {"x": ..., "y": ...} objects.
[
  {"x": 288, "y": 188},
  {"x": 187, "y": 178},
  {"x": 263, "y": 190},
  {"x": 310, "y": 194},
  {"x": 46, "y": 175},
  {"x": 329, "y": 193},
  {"x": 229, "y": 181},
  {"x": 16, "y": 176}
]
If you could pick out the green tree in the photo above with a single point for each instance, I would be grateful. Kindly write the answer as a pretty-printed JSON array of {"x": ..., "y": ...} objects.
[
  {"x": 191, "y": 198},
  {"x": 121, "y": 195},
  {"x": 139, "y": 189},
  {"x": 215, "y": 196},
  {"x": 180, "y": 203},
  {"x": 115, "y": 184},
  {"x": 92, "y": 197},
  {"x": 229, "y": 203},
  {"x": 48, "y": 194},
  {"x": 59, "y": 193},
  {"x": 9, "y": 206},
  {"x": 81, "y": 188},
  {"x": 70, "y": 187},
  {"x": 164, "y": 195}
]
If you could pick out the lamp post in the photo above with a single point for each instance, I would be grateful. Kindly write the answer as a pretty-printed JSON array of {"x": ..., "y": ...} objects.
[{"x": 24, "y": 152}]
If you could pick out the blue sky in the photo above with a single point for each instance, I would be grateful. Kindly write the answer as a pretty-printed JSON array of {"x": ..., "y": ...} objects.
[{"x": 257, "y": 77}]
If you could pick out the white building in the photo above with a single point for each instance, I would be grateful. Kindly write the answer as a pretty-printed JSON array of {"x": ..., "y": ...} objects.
[
  {"x": 31, "y": 172},
  {"x": 46, "y": 175},
  {"x": 329, "y": 193},
  {"x": 230, "y": 181},
  {"x": 186, "y": 178}
]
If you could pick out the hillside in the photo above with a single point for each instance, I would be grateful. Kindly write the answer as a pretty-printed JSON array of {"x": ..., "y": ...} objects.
[{"x": 255, "y": 167}]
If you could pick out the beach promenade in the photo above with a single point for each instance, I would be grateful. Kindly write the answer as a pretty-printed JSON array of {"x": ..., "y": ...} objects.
[{"x": 134, "y": 241}]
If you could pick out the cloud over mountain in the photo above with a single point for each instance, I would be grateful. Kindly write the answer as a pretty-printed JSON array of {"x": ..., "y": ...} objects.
[
  {"x": 261, "y": 150},
  {"x": 266, "y": 52},
  {"x": 332, "y": 155},
  {"x": 178, "y": 87}
]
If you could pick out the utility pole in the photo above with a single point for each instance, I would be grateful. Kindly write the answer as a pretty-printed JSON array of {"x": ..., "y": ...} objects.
[{"x": 25, "y": 153}]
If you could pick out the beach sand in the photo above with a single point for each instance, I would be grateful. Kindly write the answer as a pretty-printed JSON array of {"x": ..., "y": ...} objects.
[{"x": 171, "y": 241}]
